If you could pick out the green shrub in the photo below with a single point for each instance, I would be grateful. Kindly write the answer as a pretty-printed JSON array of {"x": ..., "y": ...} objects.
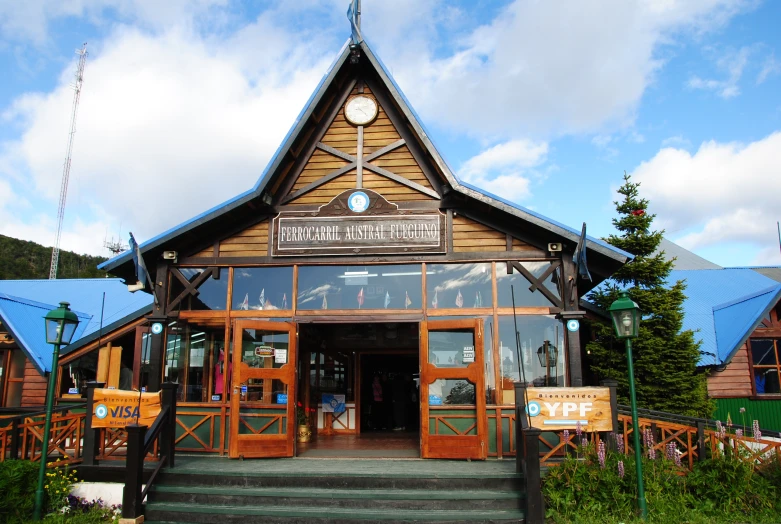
[
  {"x": 581, "y": 490},
  {"x": 18, "y": 482}
]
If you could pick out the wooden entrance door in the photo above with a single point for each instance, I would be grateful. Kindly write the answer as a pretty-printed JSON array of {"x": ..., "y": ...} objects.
[
  {"x": 263, "y": 397},
  {"x": 452, "y": 390}
]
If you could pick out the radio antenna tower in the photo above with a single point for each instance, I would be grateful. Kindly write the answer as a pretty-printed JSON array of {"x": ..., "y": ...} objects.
[{"x": 66, "y": 168}]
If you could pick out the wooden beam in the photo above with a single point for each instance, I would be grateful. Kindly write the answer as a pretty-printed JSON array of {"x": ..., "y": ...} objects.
[
  {"x": 335, "y": 152},
  {"x": 359, "y": 162},
  {"x": 319, "y": 182},
  {"x": 387, "y": 149},
  {"x": 536, "y": 284},
  {"x": 401, "y": 180}
]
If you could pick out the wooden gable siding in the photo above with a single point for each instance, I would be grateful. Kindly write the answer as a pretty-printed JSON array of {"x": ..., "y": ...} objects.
[
  {"x": 343, "y": 136},
  {"x": 251, "y": 242},
  {"x": 34, "y": 388},
  {"x": 735, "y": 380},
  {"x": 469, "y": 235}
]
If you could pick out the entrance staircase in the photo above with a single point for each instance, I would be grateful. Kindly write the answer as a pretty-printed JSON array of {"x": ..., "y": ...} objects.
[{"x": 335, "y": 491}]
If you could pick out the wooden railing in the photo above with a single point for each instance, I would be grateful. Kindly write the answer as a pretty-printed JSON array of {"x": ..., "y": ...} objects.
[{"x": 21, "y": 435}]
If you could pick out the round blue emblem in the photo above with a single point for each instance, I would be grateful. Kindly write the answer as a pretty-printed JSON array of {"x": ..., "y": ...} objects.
[
  {"x": 101, "y": 411},
  {"x": 157, "y": 328},
  {"x": 358, "y": 202},
  {"x": 533, "y": 409},
  {"x": 573, "y": 325}
]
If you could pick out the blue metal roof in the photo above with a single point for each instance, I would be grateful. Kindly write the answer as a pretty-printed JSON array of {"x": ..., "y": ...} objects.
[
  {"x": 23, "y": 303},
  {"x": 406, "y": 107},
  {"x": 723, "y": 307}
]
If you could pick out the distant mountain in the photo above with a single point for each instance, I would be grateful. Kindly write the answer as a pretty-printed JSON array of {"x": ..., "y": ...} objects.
[{"x": 20, "y": 259}]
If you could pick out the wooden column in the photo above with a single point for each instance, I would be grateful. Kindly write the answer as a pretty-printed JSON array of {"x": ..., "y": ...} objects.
[
  {"x": 157, "y": 349},
  {"x": 570, "y": 311}
]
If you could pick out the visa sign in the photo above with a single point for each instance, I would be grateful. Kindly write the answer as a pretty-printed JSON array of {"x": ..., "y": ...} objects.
[
  {"x": 564, "y": 408},
  {"x": 116, "y": 408}
]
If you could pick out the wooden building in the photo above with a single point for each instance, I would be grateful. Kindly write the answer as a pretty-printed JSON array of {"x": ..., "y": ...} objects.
[{"x": 359, "y": 254}]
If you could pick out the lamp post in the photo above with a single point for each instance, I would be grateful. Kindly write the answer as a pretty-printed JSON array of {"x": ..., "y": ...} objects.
[
  {"x": 548, "y": 356},
  {"x": 60, "y": 326},
  {"x": 626, "y": 321}
]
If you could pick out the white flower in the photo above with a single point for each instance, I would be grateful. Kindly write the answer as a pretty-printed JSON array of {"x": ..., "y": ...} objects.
[{"x": 65, "y": 509}]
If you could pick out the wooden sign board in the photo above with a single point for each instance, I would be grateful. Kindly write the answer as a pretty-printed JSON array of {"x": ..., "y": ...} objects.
[
  {"x": 562, "y": 408},
  {"x": 116, "y": 408},
  {"x": 358, "y": 221}
]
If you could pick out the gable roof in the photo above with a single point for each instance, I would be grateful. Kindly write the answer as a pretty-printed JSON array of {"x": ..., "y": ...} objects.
[
  {"x": 260, "y": 194},
  {"x": 723, "y": 307},
  {"x": 684, "y": 259},
  {"x": 24, "y": 303}
]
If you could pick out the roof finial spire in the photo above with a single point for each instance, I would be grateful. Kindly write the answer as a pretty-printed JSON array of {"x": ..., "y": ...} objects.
[{"x": 354, "y": 16}]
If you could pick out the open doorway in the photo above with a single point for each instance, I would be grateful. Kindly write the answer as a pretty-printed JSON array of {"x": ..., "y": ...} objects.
[{"x": 352, "y": 414}]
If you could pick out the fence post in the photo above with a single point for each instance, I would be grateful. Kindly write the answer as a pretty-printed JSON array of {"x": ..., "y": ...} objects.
[
  {"x": 14, "y": 451},
  {"x": 520, "y": 422},
  {"x": 535, "y": 512},
  {"x": 134, "y": 472},
  {"x": 168, "y": 431},
  {"x": 701, "y": 441},
  {"x": 90, "y": 449}
]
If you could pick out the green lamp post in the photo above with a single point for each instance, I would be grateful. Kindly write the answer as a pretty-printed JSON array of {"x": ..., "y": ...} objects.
[
  {"x": 626, "y": 321},
  {"x": 60, "y": 326}
]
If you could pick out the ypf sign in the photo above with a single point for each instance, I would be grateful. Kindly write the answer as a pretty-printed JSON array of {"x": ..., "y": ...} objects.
[{"x": 563, "y": 408}]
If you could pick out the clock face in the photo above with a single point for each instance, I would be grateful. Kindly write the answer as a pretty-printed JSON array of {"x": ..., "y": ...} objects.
[{"x": 360, "y": 110}]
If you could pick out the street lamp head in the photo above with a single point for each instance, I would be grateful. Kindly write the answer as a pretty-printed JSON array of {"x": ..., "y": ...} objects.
[
  {"x": 626, "y": 316},
  {"x": 61, "y": 324},
  {"x": 547, "y": 354}
]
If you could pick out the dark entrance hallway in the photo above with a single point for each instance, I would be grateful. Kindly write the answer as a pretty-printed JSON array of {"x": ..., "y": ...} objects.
[{"x": 373, "y": 369}]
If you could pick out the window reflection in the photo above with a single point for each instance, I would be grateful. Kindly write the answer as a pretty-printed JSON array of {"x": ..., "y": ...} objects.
[
  {"x": 448, "y": 392},
  {"x": 264, "y": 349},
  {"x": 520, "y": 285},
  {"x": 538, "y": 334},
  {"x": 262, "y": 288},
  {"x": 458, "y": 286},
  {"x": 360, "y": 287},
  {"x": 212, "y": 293},
  {"x": 451, "y": 349}
]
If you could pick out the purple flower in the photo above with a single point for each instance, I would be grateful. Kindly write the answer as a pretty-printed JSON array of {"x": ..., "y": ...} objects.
[
  {"x": 670, "y": 451},
  {"x": 648, "y": 438},
  {"x": 566, "y": 435},
  {"x": 601, "y": 454},
  {"x": 757, "y": 432},
  {"x": 739, "y": 433},
  {"x": 619, "y": 442},
  {"x": 621, "y": 468},
  {"x": 578, "y": 429},
  {"x": 721, "y": 430},
  {"x": 583, "y": 441}
]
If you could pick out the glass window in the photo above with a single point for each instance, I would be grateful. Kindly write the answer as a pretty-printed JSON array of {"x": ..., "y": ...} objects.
[
  {"x": 15, "y": 379},
  {"x": 77, "y": 373},
  {"x": 262, "y": 288},
  {"x": 446, "y": 392},
  {"x": 542, "y": 349},
  {"x": 146, "y": 352},
  {"x": 767, "y": 370},
  {"x": 458, "y": 286},
  {"x": 331, "y": 373},
  {"x": 360, "y": 287},
  {"x": 174, "y": 360},
  {"x": 212, "y": 293},
  {"x": 520, "y": 285},
  {"x": 264, "y": 349},
  {"x": 197, "y": 342},
  {"x": 446, "y": 348}
]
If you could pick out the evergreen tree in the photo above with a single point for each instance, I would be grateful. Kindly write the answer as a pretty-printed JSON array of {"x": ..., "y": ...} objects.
[{"x": 665, "y": 358}]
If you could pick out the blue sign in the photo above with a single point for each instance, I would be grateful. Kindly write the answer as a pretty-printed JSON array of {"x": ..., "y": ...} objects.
[
  {"x": 358, "y": 202},
  {"x": 434, "y": 400},
  {"x": 333, "y": 403},
  {"x": 281, "y": 399},
  {"x": 157, "y": 328},
  {"x": 216, "y": 398},
  {"x": 73, "y": 391},
  {"x": 243, "y": 388},
  {"x": 573, "y": 325}
]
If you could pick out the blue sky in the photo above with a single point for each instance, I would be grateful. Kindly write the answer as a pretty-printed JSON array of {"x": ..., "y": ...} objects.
[{"x": 545, "y": 103}]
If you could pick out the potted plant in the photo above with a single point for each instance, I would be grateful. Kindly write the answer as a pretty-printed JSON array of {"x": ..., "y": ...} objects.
[{"x": 304, "y": 434}]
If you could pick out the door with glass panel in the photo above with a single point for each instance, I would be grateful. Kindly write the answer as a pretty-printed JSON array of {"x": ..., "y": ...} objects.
[
  {"x": 262, "y": 418},
  {"x": 452, "y": 390}
]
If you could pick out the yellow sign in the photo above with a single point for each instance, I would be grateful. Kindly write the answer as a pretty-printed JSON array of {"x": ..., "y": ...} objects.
[
  {"x": 114, "y": 408},
  {"x": 563, "y": 408}
]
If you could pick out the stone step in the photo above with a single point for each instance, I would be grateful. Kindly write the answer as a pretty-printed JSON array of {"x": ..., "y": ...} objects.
[
  {"x": 339, "y": 498},
  {"x": 190, "y": 513},
  {"x": 411, "y": 480}
]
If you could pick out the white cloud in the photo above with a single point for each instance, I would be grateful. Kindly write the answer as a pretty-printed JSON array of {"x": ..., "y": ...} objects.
[
  {"x": 770, "y": 67},
  {"x": 732, "y": 64},
  {"x": 169, "y": 125},
  {"x": 548, "y": 68},
  {"x": 724, "y": 192},
  {"x": 503, "y": 169}
]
